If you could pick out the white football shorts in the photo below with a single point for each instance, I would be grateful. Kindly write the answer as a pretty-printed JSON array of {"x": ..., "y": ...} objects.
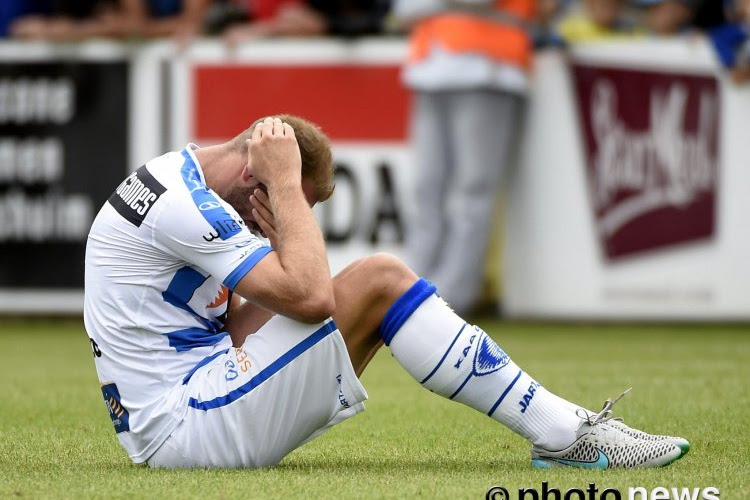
[{"x": 251, "y": 406}]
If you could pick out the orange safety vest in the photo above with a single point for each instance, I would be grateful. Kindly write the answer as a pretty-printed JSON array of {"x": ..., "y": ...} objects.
[{"x": 464, "y": 32}]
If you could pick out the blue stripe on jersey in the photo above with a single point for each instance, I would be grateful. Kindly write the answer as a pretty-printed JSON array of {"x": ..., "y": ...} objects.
[
  {"x": 203, "y": 362},
  {"x": 190, "y": 338},
  {"x": 245, "y": 267},
  {"x": 266, "y": 372},
  {"x": 208, "y": 205},
  {"x": 181, "y": 289}
]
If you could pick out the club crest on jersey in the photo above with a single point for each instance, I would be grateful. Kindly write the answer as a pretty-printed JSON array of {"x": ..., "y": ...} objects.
[
  {"x": 118, "y": 413},
  {"x": 136, "y": 195},
  {"x": 489, "y": 358}
]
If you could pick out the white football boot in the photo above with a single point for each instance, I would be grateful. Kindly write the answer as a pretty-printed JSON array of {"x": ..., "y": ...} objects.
[{"x": 604, "y": 443}]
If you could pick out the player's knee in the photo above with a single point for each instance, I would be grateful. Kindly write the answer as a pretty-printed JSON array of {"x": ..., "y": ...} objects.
[
  {"x": 379, "y": 278},
  {"x": 388, "y": 273}
]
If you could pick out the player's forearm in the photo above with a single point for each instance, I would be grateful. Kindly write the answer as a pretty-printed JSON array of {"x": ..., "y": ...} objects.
[
  {"x": 245, "y": 319},
  {"x": 301, "y": 250}
]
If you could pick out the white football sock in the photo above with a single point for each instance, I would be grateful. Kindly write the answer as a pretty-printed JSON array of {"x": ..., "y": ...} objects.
[{"x": 461, "y": 362}]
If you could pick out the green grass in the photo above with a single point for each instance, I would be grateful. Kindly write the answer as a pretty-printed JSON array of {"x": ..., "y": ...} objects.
[{"x": 57, "y": 441}]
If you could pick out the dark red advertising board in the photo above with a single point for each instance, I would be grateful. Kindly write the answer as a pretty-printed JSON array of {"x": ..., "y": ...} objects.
[{"x": 651, "y": 147}]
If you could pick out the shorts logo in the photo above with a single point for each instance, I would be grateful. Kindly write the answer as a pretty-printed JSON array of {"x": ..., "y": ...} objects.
[
  {"x": 342, "y": 398},
  {"x": 118, "y": 413},
  {"x": 136, "y": 195},
  {"x": 489, "y": 358}
]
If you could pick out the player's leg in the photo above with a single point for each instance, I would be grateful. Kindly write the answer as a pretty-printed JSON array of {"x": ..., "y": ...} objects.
[
  {"x": 380, "y": 298},
  {"x": 364, "y": 291},
  {"x": 461, "y": 362}
]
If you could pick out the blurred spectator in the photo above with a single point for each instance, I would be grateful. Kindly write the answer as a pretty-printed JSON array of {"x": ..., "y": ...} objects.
[
  {"x": 10, "y": 10},
  {"x": 275, "y": 18},
  {"x": 262, "y": 18},
  {"x": 469, "y": 69},
  {"x": 667, "y": 17},
  {"x": 77, "y": 19},
  {"x": 732, "y": 42},
  {"x": 60, "y": 19},
  {"x": 352, "y": 17},
  {"x": 161, "y": 18},
  {"x": 597, "y": 20},
  {"x": 544, "y": 30},
  {"x": 709, "y": 14}
]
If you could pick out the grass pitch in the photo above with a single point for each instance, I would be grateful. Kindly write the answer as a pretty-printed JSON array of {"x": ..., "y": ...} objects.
[{"x": 57, "y": 441}]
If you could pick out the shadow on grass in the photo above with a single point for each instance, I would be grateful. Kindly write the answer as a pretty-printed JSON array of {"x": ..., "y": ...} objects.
[{"x": 404, "y": 464}]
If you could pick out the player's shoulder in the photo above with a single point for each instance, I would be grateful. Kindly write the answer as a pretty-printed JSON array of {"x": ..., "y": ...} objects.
[
  {"x": 148, "y": 187},
  {"x": 191, "y": 206},
  {"x": 170, "y": 170}
]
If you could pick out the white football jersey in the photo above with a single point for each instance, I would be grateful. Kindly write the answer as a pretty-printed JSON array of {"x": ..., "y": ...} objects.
[{"x": 162, "y": 258}]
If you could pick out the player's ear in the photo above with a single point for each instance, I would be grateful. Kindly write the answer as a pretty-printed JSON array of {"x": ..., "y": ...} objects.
[{"x": 245, "y": 174}]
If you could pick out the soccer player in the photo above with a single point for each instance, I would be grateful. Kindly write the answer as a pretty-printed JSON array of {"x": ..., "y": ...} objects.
[{"x": 216, "y": 347}]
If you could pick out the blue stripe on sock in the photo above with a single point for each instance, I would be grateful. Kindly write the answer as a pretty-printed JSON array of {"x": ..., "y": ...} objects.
[
  {"x": 444, "y": 355},
  {"x": 404, "y": 307},
  {"x": 505, "y": 393},
  {"x": 462, "y": 386}
]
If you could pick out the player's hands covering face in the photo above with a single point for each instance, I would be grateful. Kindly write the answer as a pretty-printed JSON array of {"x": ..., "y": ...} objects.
[
  {"x": 263, "y": 215},
  {"x": 273, "y": 154}
]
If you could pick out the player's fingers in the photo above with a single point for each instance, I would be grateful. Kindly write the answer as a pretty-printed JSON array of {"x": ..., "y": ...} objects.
[
  {"x": 264, "y": 210},
  {"x": 278, "y": 127},
  {"x": 268, "y": 126},
  {"x": 263, "y": 197},
  {"x": 257, "y": 131},
  {"x": 288, "y": 130},
  {"x": 265, "y": 227}
]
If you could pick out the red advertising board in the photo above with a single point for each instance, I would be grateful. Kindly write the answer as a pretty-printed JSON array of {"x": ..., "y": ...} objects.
[
  {"x": 651, "y": 144},
  {"x": 350, "y": 102}
]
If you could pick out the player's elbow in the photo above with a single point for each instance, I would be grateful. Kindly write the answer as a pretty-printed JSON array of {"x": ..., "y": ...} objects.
[{"x": 318, "y": 305}]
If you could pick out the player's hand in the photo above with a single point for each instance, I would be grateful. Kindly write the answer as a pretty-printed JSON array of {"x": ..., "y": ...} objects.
[
  {"x": 263, "y": 215},
  {"x": 273, "y": 154}
]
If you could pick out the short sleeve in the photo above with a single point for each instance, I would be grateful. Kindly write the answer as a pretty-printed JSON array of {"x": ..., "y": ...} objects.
[{"x": 209, "y": 235}]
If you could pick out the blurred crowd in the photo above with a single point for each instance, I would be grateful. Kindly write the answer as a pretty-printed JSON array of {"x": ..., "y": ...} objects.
[
  {"x": 559, "y": 22},
  {"x": 726, "y": 23}
]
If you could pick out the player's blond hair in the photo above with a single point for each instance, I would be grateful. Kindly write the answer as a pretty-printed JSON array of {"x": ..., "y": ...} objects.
[{"x": 314, "y": 147}]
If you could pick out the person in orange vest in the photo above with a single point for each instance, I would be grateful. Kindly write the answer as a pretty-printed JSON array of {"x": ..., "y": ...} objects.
[{"x": 468, "y": 66}]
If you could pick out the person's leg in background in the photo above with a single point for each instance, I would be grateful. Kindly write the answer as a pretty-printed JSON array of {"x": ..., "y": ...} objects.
[
  {"x": 431, "y": 179},
  {"x": 483, "y": 130}
]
